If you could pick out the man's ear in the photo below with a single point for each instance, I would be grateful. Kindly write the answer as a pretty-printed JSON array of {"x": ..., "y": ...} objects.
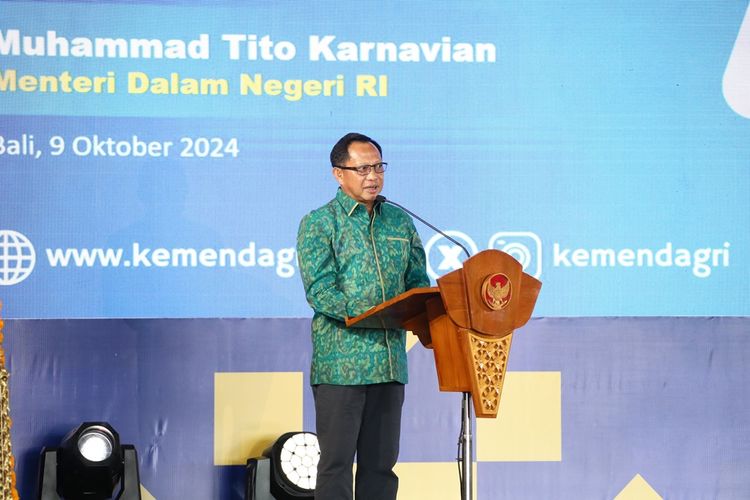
[{"x": 338, "y": 174}]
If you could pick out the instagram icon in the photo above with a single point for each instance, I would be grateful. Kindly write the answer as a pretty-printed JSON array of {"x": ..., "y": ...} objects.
[{"x": 524, "y": 246}]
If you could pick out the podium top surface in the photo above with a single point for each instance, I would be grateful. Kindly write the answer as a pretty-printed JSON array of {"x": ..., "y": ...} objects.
[{"x": 394, "y": 312}]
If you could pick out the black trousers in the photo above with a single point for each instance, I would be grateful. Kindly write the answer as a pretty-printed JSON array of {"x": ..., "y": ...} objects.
[{"x": 361, "y": 419}]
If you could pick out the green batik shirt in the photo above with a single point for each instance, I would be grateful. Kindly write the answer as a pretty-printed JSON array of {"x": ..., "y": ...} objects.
[{"x": 351, "y": 261}]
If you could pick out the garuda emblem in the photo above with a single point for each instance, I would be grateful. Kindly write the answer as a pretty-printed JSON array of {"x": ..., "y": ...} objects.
[{"x": 496, "y": 291}]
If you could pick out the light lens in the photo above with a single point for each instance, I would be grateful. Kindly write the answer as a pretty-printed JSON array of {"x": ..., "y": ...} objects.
[
  {"x": 299, "y": 456},
  {"x": 95, "y": 444}
]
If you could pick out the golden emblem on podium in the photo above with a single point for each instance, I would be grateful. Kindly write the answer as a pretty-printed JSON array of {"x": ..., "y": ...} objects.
[{"x": 496, "y": 291}]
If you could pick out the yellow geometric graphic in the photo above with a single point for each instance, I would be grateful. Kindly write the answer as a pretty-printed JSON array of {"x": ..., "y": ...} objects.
[
  {"x": 528, "y": 427},
  {"x": 638, "y": 489},
  {"x": 145, "y": 495},
  {"x": 411, "y": 340},
  {"x": 251, "y": 410},
  {"x": 430, "y": 480}
]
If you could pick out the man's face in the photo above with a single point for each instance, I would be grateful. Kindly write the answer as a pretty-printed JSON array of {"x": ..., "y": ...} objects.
[{"x": 364, "y": 189}]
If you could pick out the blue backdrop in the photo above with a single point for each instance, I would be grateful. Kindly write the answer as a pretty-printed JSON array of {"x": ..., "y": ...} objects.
[
  {"x": 156, "y": 158},
  {"x": 597, "y": 126},
  {"x": 664, "y": 398}
]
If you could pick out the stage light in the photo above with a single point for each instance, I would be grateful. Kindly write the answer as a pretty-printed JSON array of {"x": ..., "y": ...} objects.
[
  {"x": 295, "y": 458},
  {"x": 287, "y": 470},
  {"x": 96, "y": 443},
  {"x": 90, "y": 464}
]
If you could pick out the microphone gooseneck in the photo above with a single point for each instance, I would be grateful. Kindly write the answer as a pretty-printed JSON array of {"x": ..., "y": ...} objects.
[{"x": 382, "y": 199}]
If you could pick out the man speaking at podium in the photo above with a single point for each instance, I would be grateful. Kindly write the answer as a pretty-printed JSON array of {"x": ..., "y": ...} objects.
[{"x": 354, "y": 253}]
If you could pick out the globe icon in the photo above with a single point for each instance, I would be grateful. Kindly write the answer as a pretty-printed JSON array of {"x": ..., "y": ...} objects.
[{"x": 17, "y": 257}]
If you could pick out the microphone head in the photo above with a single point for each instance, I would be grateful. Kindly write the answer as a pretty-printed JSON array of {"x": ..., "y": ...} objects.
[{"x": 380, "y": 199}]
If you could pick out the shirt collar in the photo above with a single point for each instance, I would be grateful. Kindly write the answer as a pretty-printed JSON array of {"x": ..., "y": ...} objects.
[{"x": 350, "y": 205}]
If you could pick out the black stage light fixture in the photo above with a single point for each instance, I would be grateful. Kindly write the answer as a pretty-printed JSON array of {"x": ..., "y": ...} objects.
[
  {"x": 287, "y": 470},
  {"x": 90, "y": 464}
]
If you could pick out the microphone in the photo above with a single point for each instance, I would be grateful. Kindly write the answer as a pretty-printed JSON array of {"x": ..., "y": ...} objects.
[{"x": 382, "y": 199}]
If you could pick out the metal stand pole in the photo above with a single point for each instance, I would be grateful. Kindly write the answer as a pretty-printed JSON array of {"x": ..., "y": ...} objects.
[{"x": 466, "y": 448}]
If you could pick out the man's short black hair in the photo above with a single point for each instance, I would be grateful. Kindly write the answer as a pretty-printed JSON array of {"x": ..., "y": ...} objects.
[{"x": 340, "y": 151}]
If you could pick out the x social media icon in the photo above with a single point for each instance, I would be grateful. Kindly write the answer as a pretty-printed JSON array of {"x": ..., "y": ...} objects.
[
  {"x": 451, "y": 254},
  {"x": 444, "y": 256}
]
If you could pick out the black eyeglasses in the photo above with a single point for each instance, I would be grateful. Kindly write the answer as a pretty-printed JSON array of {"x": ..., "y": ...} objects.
[{"x": 364, "y": 170}]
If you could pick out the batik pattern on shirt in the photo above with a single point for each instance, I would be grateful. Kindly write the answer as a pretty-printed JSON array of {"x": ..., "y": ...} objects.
[{"x": 351, "y": 261}]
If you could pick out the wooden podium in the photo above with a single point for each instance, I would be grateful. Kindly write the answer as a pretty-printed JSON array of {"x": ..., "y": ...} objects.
[{"x": 468, "y": 320}]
